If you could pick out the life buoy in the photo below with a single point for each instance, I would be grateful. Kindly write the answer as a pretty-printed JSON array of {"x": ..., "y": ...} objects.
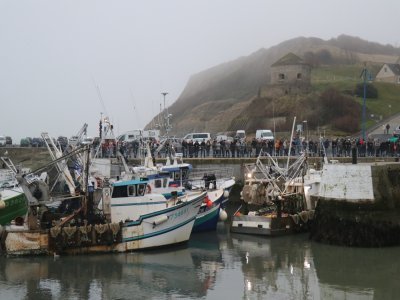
[{"x": 148, "y": 189}]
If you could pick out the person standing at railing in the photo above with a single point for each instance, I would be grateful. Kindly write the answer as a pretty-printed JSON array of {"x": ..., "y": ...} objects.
[
  {"x": 208, "y": 147},
  {"x": 196, "y": 149},
  {"x": 233, "y": 148},
  {"x": 184, "y": 148},
  {"x": 203, "y": 148},
  {"x": 334, "y": 147}
]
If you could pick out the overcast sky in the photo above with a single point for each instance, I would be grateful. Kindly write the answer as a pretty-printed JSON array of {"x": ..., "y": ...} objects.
[{"x": 64, "y": 62}]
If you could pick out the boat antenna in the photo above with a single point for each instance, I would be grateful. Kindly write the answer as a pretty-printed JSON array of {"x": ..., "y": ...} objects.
[
  {"x": 100, "y": 97},
  {"x": 134, "y": 109}
]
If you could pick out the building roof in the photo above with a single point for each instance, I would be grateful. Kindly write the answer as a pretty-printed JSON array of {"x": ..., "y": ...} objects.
[
  {"x": 289, "y": 59},
  {"x": 395, "y": 68}
]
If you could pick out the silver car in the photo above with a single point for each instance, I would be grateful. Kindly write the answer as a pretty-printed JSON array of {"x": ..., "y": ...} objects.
[{"x": 2, "y": 141}]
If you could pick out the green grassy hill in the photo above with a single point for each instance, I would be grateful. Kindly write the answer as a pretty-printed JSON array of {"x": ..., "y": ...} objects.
[
  {"x": 346, "y": 77},
  {"x": 226, "y": 97}
]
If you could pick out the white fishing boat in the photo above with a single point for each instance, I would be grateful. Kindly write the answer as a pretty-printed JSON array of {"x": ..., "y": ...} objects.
[
  {"x": 173, "y": 180},
  {"x": 151, "y": 220},
  {"x": 131, "y": 218}
]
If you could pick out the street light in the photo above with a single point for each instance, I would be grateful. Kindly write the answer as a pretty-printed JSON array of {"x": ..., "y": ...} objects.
[
  {"x": 306, "y": 133},
  {"x": 166, "y": 115},
  {"x": 364, "y": 74}
]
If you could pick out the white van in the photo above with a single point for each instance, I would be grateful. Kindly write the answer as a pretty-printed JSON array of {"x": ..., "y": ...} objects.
[
  {"x": 151, "y": 134},
  {"x": 264, "y": 134},
  {"x": 131, "y": 136},
  {"x": 206, "y": 136},
  {"x": 87, "y": 140},
  {"x": 240, "y": 135}
]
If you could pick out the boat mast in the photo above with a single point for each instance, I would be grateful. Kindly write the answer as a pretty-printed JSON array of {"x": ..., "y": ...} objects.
[{"x": 290, "y": 145}]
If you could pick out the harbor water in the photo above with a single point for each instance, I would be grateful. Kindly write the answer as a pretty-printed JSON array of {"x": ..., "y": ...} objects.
[{"x": 213, "y": 265}]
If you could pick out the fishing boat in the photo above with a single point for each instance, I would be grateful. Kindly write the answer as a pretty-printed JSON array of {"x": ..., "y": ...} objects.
[
  {"x": 131, "y": 217},
  {"x": 274, "y": 198},
  {"x": 12, "y": 205},
  {"x": 131, "y": 220},
  {"x": 209, "y": 214},
  {"x": 207, "y": 178},
  {"x": 151, "y": 220},
  {"x": 173, "y": 180}
]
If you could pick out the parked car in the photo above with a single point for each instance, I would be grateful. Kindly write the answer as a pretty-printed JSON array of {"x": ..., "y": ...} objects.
[
  {"x": 396, "y": 131},
  {"x": 2, "y": 141},
  {"x": 25, "y": 142},
  {"x": 8, "y": 140},
  {"x": 37, "y": 142}
]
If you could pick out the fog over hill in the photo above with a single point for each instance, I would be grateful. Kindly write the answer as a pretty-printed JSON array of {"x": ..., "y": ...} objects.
[{"x": 214, "y": 99}]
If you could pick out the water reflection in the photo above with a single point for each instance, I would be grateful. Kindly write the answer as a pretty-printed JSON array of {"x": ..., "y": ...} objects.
[
  {"x": 215, "y": 265},
  {"x": 369, "y": 272},
  {"x": 276, "y": 267},
  {"x": 187, "y": 271}
]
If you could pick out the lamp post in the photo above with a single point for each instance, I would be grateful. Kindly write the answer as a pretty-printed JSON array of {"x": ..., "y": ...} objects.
[
  {"x": 166, "y": 115},
  {"x": 306, "y": 133},
  {"x": 364, "y": 75}
]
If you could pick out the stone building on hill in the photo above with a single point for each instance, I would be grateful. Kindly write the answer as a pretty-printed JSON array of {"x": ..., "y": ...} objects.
[
  {"x": 290, "y": 75},
  {"x": 389, "y": 73}
]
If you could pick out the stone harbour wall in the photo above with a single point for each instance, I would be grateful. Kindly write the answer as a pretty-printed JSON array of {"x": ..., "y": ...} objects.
[{"x": 362, "y": 222}]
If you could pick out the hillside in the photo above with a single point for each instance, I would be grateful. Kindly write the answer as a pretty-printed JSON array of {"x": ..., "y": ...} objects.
[{"x": 226, "y": 97}]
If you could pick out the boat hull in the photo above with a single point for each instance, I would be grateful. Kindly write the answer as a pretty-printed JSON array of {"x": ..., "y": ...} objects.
[
  {"x": 208, "y": 216},
  {"x": 161, "y": 228},
  {"x": 207, "y": 220},
  {"x": 263, "y": 225}
]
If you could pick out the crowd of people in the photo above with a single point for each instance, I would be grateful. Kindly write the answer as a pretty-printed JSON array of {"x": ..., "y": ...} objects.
[{"x": 333, "y": 147}]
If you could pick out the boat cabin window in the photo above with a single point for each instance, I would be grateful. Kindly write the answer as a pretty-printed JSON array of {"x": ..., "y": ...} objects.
[
  {"x": 120, "y": 191},
  {"x": 141, "y": 188},
  {"x": 131, "y": 190},
  {"x": 185, "y": 174},
  {"x": 158, "y": 183},
  {"x": 177, "y": 176},
  {"x": 165, "y": 182}
]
